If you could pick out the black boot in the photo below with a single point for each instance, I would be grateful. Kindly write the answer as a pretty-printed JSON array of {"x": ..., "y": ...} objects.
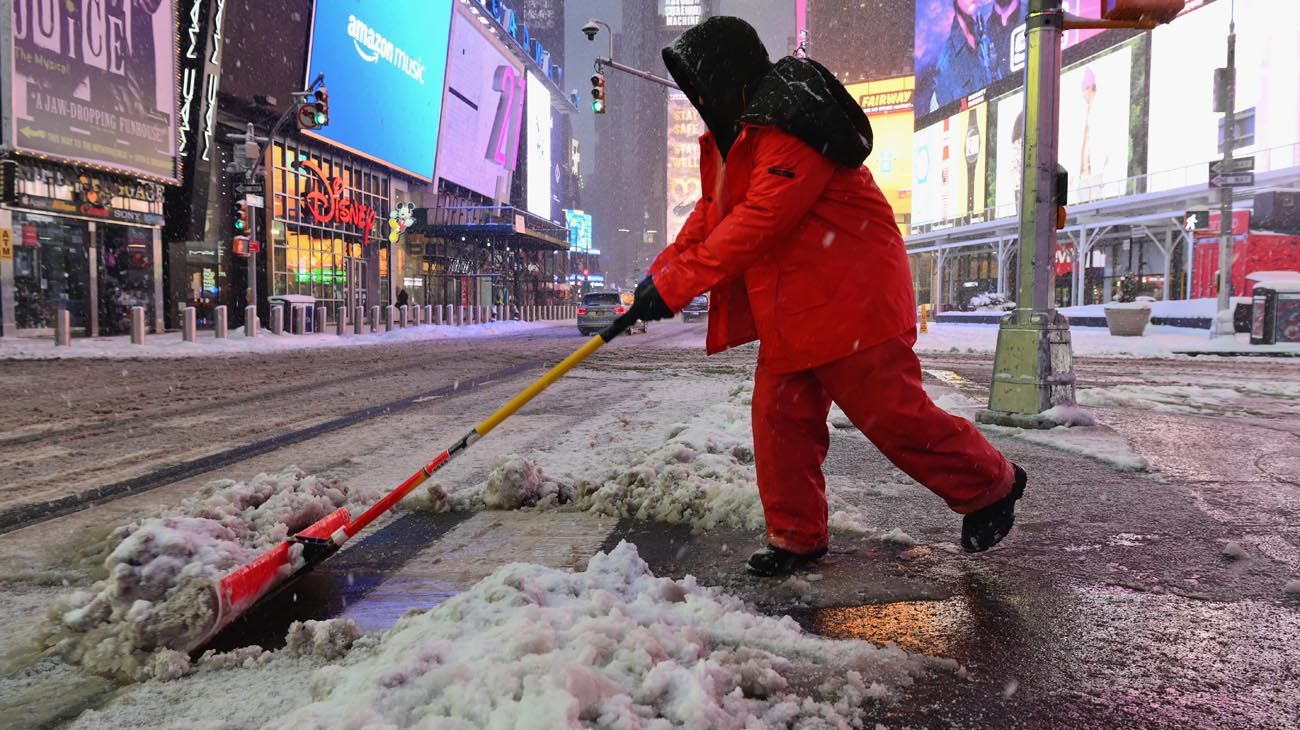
[
  {"x": 772, "y": 561},
  {"x": 984, "y": 528}
]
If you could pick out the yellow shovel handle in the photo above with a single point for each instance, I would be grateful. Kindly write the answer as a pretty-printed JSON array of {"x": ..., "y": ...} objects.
[{"x": 527, "y": 394}]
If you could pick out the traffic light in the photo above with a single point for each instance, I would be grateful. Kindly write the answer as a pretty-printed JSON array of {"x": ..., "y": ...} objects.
[
  {"x": 314, "y": 112},
  {"x": 1161, "y": 11},
  {"x": 598, "y": 93},
  {"x": 322, "y": 106},
  {"x": 241, "y": 218}
]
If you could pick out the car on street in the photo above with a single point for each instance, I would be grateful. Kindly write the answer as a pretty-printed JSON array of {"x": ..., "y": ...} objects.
[
  {"x": 697, "y": 309},
  {"x": 599, "y": 309}
]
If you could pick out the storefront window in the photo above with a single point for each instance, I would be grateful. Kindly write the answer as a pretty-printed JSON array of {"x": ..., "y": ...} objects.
[
  {"x": 125, "y": 276},
  {"x": 50, "y": 270}
]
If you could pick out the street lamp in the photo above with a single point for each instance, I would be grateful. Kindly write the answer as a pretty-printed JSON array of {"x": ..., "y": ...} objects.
[{"x": 591, "y": 28}]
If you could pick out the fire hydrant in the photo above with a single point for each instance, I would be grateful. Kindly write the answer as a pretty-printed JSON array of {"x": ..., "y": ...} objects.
[{"x": 925, "y": 316}]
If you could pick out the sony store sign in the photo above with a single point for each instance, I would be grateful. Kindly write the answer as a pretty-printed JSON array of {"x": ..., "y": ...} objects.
[{"x": 509, "y": 19}]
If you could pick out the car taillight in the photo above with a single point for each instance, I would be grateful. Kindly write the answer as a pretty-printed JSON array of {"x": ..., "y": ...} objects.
[
  {"x": 620, "y": 310},
  {"x": 582, "y": 311}
]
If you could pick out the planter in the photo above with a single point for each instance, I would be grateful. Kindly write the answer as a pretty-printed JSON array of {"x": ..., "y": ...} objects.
[{"x": 1128, "y": 320}]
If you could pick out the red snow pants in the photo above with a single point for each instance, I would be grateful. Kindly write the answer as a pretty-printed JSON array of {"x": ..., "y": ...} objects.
[{"x": 879, "y": 389}]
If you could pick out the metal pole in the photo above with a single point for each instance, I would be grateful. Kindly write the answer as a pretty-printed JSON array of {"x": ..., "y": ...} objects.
[
  {"x": 1225, "y": 193},
  {"x": 1033, "y": 366}
]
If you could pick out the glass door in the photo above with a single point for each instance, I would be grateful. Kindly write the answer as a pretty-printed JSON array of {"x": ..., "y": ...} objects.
[
  {"x": 355, "y": 287},
  {"x": 125, "y": 276}
]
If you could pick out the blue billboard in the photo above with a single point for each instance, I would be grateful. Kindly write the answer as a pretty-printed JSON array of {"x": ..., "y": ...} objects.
[
  {"x": 579, "y": 224},
  {"x": 384, "y": 66}
]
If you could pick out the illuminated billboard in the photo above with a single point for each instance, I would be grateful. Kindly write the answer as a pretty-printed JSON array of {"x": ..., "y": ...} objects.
[
  {"x": 579, "y": 225},
  {"x": 1184, "y": 55},
  {"x": 537, "y": 107},
  {"x": 384, "y": 67},
  {"x": 684, "y": 129},
  {"x": 964, "y": 46},
  {"x": 948, "y": 163},
  {"x": 483, "y": 110},
  {"x": 888, "y": 105},
  {"x": 95, "y": 83},
  {"x": 1094, "y": 144}
]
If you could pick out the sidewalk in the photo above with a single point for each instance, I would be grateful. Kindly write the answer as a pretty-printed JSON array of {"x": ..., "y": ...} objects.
[
  {"x": 1158, "y": 342},
  {"x": 172, "y": 345}
]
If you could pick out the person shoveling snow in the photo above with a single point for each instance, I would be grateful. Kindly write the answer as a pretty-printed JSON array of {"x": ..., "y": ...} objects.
[{"x": 799, "y": 250}]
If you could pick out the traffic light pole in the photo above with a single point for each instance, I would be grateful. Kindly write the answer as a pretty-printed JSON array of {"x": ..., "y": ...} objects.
[
  {"x": 1033, "y": 366},
  {"x": 1223, "y": 324},
  {"x": 600, "y": 62}
]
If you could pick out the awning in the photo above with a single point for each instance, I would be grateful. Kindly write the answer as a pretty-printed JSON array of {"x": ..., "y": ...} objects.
[{"x": 492, "y": 223}]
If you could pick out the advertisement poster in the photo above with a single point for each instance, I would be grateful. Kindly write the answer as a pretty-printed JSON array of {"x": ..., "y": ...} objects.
[
  {"x": 888, "y": 105},
  {"x": 384, "y": 66},
  {"x": 1184, "y": 55},
  {"x": 1094, "y": 139},
  {"x": 963, "y": 46},
  {"x": 579, "y": 224},
  {"x": 483, "y": 111},
  {"x": 948, "y": 163},
  {"x": 537, "y": 107},
  {"x": 96, "y": 82},
  {"x": 684, "y": 129}
]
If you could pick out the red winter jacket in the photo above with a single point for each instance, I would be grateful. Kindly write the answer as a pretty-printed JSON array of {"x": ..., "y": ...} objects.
[{"x": 799, "y": 252}]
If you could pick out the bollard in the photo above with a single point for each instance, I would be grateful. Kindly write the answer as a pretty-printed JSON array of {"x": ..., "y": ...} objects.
[
  {"x": 435, "y": 315},
  {"x": 403, "y": 315},
  {"x": 137, "y": 325},
  {"x": 219, "y": 320},
  {"x": 63, "y": 328},
  {"x": 390, "y": 314},
  {"x": 358, "y": 320},
  {"x": 374, "y": 318},
  {"x": 250, "y": 320},
  {"x": 299, "y": 319},
  {"x": 189, "y": 326},
  {"x": 460, "y": 315},
  {"x": 428, "y": 314},
  {"x": 320, "y": 322},
  {"x": 419, "y": 315},
  {"x": 484, "y": 314},
  {"x": 277, "y": 320},
  {"x": 341, "y": 326},
  {"x": 471, "y": 315}
]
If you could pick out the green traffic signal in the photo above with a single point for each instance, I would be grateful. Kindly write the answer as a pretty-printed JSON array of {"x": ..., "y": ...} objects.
[{"x": 598, "y": 106}]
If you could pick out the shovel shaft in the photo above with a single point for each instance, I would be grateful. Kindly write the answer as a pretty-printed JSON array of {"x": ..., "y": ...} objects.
[{"x": 481, "y": 430}]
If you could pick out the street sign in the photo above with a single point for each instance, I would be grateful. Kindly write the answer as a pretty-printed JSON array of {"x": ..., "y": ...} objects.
[
  {"x": 254, "y": 246},
  {"x": 1196, "y": 220},
  {"x": 248, "y": 188},
  {"x": 1232, "y": 180},
  {"x": 254, "y": 201},
  {"x": 1239, "y": 164}
]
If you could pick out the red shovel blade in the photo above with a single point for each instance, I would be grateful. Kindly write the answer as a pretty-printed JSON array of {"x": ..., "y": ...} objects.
[{"x": 243, "y": 586}]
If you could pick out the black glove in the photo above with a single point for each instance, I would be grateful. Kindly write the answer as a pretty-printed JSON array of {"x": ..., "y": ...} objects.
[{"x": 647, "y": 306}]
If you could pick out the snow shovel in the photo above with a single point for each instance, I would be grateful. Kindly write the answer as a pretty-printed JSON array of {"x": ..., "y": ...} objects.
[{"x": 240, "y": 589}]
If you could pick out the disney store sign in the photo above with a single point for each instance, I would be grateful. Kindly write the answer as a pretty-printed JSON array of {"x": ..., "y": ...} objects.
[{"x": 326, "y": 203}]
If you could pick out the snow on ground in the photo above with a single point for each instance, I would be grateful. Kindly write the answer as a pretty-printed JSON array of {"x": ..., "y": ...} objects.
[
  {"x": 156, "y": 593},
  {"x": 1158, "y": 342},
  {"x": 699, "y": 473},
  {"x": 527, "y": 647},
  {"x": 170, "y": 345},
  {"x": 1230, "y": 396}
]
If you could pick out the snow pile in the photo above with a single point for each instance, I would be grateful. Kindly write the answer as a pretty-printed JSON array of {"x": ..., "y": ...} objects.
[
  {"x": 612, "y": 647},
  {"x": 1066, "y": 415},
  {"x": 1159, "y": 398},
  {"x": 324, "y": 639},
  {"x": 160, "y": 571},
  {"x": 700, "y": 474},
  {"x": 1292, "y": 588}
]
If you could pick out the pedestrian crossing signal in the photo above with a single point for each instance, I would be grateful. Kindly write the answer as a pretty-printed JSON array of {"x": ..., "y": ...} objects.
[{"x": 598, "y": 93}]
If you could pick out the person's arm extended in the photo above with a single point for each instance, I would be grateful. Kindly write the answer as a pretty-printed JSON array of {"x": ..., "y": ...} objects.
[
  {"x": 787, "y": 178},
  {"x": 691, "y": 234}
]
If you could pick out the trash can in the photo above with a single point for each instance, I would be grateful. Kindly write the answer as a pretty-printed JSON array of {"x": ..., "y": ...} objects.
[
  {"x": 1286, "y": 313},
  {"x": 289, "y": 301},
  {"x": 1262, "y": 310}
]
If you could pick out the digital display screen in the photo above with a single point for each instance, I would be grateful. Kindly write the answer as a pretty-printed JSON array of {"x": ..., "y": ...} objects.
[
  {"x": 538, "y": 110},
  {"x": 483, "y": 111},
  {"x": 384, "y": 67}
]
